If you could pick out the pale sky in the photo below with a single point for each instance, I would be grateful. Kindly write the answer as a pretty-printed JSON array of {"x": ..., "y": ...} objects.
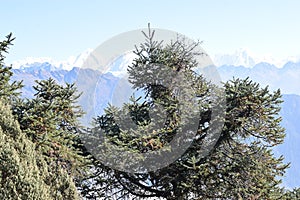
[{"x": 62, "y": 28}]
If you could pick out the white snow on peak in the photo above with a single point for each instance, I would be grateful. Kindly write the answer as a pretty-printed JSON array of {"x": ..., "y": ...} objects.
[
  {"x": 120, "y": 65},
  {"x": 72, "y": 61},
  {"x": 76, "y": 61},
  {"x": 245, "y": 57},
  {"x": 31, "y": 60}
]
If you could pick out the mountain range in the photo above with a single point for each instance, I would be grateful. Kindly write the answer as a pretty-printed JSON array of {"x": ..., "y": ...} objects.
[
  {"x": 99, "y": 89},
  {"x": 245, "y": 57}
]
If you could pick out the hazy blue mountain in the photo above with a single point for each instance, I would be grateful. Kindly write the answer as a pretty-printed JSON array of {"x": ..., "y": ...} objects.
[{"x": 99, "y": 89}]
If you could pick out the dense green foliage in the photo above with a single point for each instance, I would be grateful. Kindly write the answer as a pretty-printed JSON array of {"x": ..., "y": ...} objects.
[
  {"x": 23, "y": 171},
  {"x": 40, "y": 142},
  {"x": 42, "y": 156},
  {"x": 7, "y": 90},
  {"x": 50, "y": 120},
  {"x": 241, "y": 164},
  {"x": 294, "y": 194}
]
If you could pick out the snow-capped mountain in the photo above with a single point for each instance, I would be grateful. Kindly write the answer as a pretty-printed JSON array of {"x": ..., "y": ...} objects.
[
  {"x": 72, "y": 61},
  {"x": 245, "y": 57},
  {"x": 241, "y": 57},
  {"x": 119, "y": 66}
]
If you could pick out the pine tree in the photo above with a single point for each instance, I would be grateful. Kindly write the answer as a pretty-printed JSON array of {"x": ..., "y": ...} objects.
[
  {"x": 40, "y": 156},
  {"x": 22, "y": 169},
  {"x": 241, "y": 164},
  {"x": 8, "y": 91},
  {"x": 25, "y": 174},
  {"x": 50, "y": 120}
]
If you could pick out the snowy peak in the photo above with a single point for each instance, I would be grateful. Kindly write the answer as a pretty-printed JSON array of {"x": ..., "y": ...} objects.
[
  {"x": 118, "y": 67},
  {"x": 241, "y": 57},
  {"x": 76, "y": 61},
  {"x": 244, "y": 57},
  {"x": 53, "y": 65}
]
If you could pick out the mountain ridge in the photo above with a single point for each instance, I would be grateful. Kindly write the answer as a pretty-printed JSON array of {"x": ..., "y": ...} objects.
[
  {"x": 240, "y": 57},
  {"x": 245, "y": 57}
]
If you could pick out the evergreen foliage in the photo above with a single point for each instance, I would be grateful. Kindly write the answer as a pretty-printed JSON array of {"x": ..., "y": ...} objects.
[
  {"x": 42, "y": 156},
  {"x": 40, "y": 150},
  {"x": 51, "y": 121},
  {"x": 22, "y": 169},
  {"x": 292, "y": 194},
  {"x": 8, "y": 90},
  {"x": 241, "y": 164}
]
